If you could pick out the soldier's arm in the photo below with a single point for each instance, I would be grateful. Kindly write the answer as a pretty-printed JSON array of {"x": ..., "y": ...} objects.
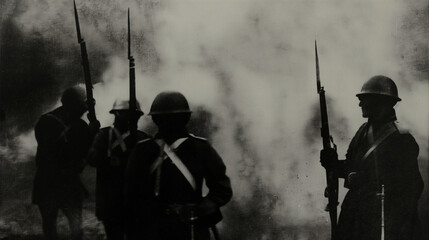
[
  {"x": 77, "y": 145},
  {"x": 218, "y": 183},
  {"x": 407, "y": 180},
  {"x": 402, "y": 188}
]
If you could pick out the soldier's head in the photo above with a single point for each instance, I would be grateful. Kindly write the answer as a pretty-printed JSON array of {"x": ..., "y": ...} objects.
[
  {"x": 73, "y": 101},
  {"x": 121, "y": 111},
  {"x": 378, "y": 96},
  {"x": 170, "y": 111}
]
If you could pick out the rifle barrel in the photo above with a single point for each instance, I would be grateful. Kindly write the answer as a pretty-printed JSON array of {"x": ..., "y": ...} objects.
[{"x": 133, "y": 100}]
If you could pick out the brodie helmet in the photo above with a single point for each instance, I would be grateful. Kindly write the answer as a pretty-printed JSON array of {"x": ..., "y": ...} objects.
[
  {"x": 74, "y": 96},
  {"x": 380, "y": 85},
  {"x": 169, "y": 102},
  {"x": 124, "y": 105}
]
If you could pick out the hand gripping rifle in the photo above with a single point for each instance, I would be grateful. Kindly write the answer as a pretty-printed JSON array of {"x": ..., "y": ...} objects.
[
  {"x": 133, "y": 100},
  {"x": 90, "y": 101},
  {"x": 331, "y": 191}
]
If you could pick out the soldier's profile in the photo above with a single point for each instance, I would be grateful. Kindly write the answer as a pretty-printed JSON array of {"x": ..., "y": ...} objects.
[{"x": 380, "y": 170}]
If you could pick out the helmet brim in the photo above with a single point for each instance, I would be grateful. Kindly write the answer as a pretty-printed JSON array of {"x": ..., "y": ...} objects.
[
  {"x": 120, "y": 110},
  {"x": 168, "y": 112},
  {"x": 380, "y": 94}
]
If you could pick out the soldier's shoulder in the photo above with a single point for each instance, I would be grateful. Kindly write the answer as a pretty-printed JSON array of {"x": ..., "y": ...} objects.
[
  {"x": 82, "y": 124},
  {"x": 363, "y": 125},
  {"x": 361, "y": 130},
  {"x": 142, "y": 135},
  {"x": 402, "y": 128},
  {"x": 104, "y": 130},
  {"x": 55, "y": 117},
  {"x": 197, "y": 138},
  {"x": 199, "y": 142},
  {"x": 405, "y": 136},
  {"x": 52, "y": 115}
]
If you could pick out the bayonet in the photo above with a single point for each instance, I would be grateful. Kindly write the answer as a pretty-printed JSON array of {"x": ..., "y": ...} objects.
[
  {"x": 90, "y": 101},
  {"x": 319, "y": 88}
]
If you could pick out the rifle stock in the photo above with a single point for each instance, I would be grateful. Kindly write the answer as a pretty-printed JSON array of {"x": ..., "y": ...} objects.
[
  {"x": 90, "y": 101},
  {"x": 331, "y": 191}
]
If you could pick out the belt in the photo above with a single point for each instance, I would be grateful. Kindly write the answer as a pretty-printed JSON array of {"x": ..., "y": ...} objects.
[{"x": 185, "y": 212}]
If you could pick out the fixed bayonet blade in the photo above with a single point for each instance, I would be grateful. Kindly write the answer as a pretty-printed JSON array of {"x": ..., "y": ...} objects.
[
  {"x": 76, "y": 18},
  {"x": 129, "y": 35},
  {"x": 319, "y": 87}
]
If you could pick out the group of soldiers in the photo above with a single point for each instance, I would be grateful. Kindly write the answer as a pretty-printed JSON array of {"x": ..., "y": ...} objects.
[
  {"x": 151, "y": 187},
  {"x": 146, "y": 188}
]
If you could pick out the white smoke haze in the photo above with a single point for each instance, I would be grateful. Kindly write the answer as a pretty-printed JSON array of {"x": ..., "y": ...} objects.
[{"x": 251, "y": 65}]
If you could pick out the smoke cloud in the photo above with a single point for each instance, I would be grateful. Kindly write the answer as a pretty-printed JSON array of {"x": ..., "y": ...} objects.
[{"x": 248, "y": 71}]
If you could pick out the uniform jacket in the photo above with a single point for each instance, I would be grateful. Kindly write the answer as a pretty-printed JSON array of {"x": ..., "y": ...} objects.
[
  {"x": 109, "y": 154},
  {"x": 392, "y": 164},
  {"x": 201, "y": 160},
  {"x": 62, "y": 146}
]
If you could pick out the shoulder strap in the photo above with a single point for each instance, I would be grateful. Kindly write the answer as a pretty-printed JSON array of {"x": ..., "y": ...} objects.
[
  {"x": 197, "y": 137},
  {"x": 169, "y": 150},
  {"x": 59, "y": 120},
  {"x": 379, "y": 140},
  {"x": 144, "y": 140}
]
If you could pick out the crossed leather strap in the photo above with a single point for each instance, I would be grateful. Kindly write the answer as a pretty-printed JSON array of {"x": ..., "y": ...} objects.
[
  {"x": 119, "y": 140},
  {"x": 168, "y": 151}
]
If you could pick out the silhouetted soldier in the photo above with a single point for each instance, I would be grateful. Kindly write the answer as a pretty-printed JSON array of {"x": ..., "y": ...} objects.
[
  {"x": 380, "y": 171},
  {"x": 63, "y": 141},
  {"x": 165, "y": 178},
  {"x": 109, "y": 154}
]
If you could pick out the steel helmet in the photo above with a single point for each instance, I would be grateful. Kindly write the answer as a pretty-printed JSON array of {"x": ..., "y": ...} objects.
[
  {"x": 380, "y": 85},
  {"x": 121, "y": 105},
  {"x": 169, "y": 102},
  {"x": 74, "y": 96}
]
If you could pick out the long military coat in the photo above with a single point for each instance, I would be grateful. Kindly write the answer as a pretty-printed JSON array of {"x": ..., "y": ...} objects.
[
  {"x": 392, "y": 164},
  {"x": 109, "y": 154},
  {"x": 62, "y": 146},
  {"x": 202, "y": 161}
]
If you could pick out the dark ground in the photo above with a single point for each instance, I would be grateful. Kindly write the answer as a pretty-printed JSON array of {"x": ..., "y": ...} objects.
[{"x": 20, "y": 219}]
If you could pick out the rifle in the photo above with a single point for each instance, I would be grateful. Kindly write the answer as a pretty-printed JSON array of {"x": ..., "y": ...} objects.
[
  {"x": 90, "y": 101},
  {"x": 133, "y": 100},
  {"x": 331, "y": 191}
]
